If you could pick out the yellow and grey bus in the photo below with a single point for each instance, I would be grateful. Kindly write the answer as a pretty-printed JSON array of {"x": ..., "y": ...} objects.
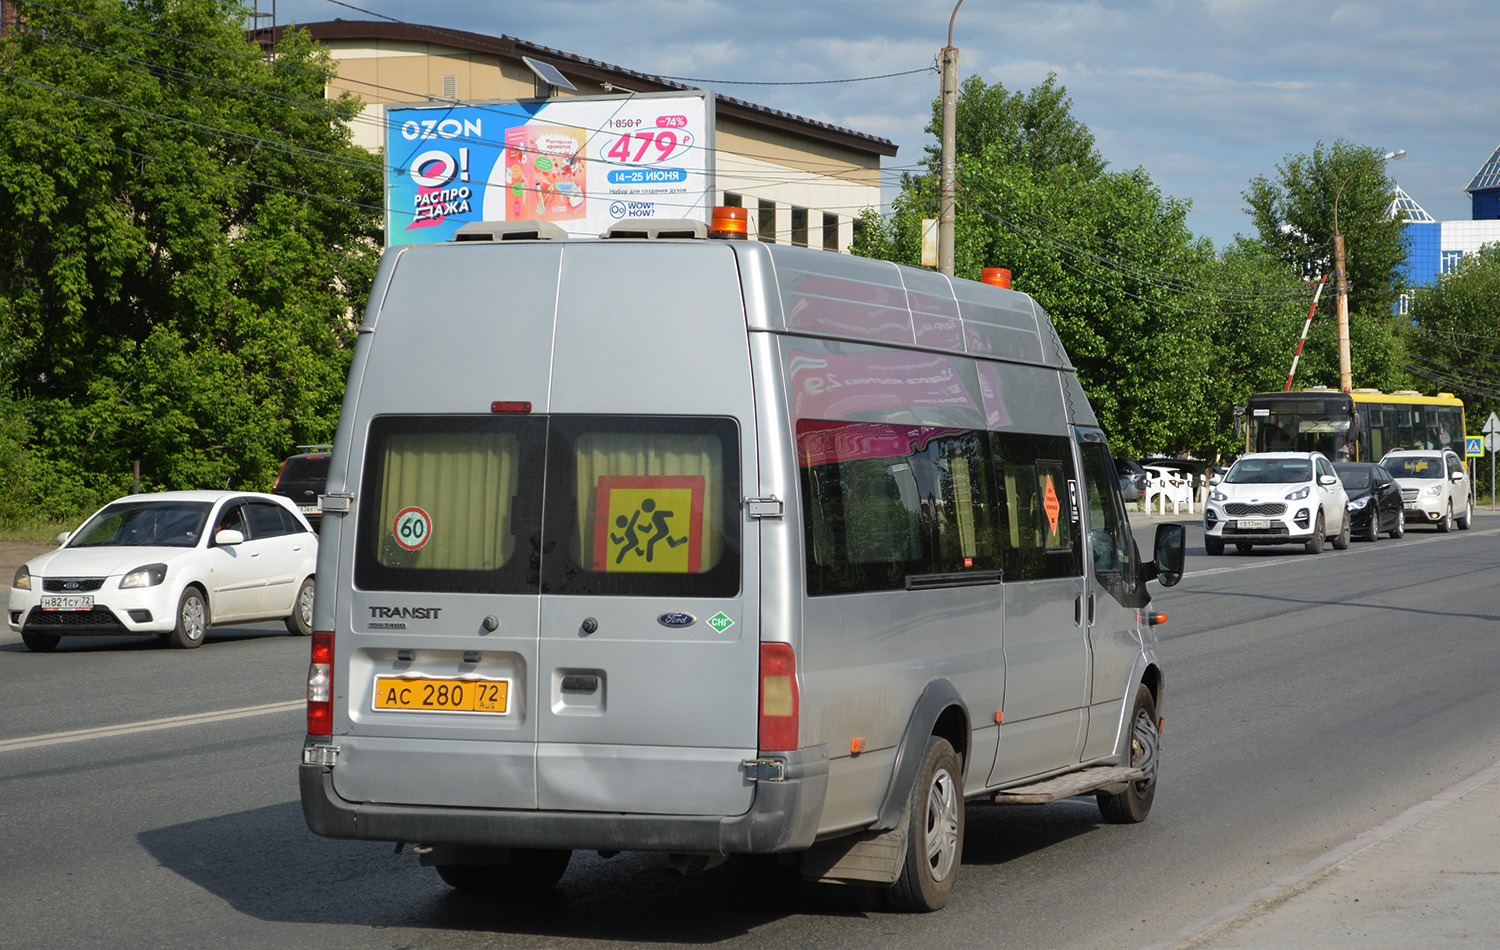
[{"x": 1362, "y": 425}]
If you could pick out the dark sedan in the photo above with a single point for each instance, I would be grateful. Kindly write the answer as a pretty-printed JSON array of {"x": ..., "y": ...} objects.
[{"x": 1374, "y": 500}]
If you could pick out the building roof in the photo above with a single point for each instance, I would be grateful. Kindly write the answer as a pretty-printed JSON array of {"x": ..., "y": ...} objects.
[
  {"x": 579, "y": 67},
  {"x": 1407, "y": 205},
  {"x": 1488, "y": 175}
]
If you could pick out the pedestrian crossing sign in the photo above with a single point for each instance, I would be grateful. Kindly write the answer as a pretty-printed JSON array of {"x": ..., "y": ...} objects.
[{"x": 1473, "y": 445}]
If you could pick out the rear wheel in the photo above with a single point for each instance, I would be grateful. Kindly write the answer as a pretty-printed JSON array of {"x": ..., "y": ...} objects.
[
  {"x": 934, "y": 832},
  {"x": 192, "y": 620},
  {"x": 1341, "y": 542},
  {"x": 39, "y": 642},
  {"x": 1134, "y": 804},
  {"x": 1400, "y": 528},
  {"x": 300, "y": 622},
  {"x": 1467, "y": 519},
  {"x": 529, "y": 871},
  {"x": 1315, "y": 543}
]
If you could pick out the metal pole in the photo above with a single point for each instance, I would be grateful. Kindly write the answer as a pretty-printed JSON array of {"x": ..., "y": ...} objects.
[
  {"x": 1341, "y": 287},
  {"x": 1340, "y": 281},
  {"x": 948, "y": 192}
]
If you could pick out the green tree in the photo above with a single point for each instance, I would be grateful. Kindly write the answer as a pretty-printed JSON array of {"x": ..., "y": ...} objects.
[
  {"x": 189, "y": 230},
  {"x": 1455, "y": 324},
  {"x": 1036, "y": 129},
  {"x": 1294, "y": 220},
  {"x": 1167, "y": 337}
]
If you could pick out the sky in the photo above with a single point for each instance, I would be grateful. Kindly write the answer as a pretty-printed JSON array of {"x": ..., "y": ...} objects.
[{"x": 1204, "y": 95}]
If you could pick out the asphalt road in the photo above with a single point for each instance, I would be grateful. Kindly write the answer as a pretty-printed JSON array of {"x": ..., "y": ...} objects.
[{"x": 1309, "y": 698}]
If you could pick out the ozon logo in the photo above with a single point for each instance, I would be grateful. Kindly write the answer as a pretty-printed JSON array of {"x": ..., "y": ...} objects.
[
  {"x": 433, "y": 169},
  {"x": 449, "y": 128},
  {"x": 412, "y": 528}
]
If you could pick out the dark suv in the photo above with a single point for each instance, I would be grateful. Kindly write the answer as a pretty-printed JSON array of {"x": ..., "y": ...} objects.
[{"x": 301, "y": 479}]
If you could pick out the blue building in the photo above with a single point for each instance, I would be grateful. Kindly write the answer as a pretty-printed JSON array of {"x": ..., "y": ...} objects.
[{"x": 1437, "y": 247}]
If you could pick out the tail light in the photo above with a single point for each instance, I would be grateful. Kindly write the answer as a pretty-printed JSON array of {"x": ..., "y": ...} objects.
[
  {"x": 779, "y": 700},
  {"x": 320, "y": 686},
  {"x": 280, "y": 472}
]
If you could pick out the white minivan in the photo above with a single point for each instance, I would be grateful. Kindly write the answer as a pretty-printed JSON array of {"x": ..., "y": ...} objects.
[
  {"x": 704, "y": 547},
  {"x": 1435, "y": 487}
]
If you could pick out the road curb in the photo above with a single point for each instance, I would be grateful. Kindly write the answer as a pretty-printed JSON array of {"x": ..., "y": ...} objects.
[{"x": 1304, "y": 878}]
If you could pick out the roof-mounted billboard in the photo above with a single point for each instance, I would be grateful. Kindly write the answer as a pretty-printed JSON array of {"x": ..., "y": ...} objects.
[{"x": 581, "y": 163}]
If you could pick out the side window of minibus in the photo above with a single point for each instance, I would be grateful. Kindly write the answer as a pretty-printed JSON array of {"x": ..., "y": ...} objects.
[
  {"x": 1110, "y": 543},
  {"x": 1038, "y": 533}
]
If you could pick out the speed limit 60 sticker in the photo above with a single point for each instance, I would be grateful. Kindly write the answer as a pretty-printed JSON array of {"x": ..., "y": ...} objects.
[{"x": 412, "y": 528}]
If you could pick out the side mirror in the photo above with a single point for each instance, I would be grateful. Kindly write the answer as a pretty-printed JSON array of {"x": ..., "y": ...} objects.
[
  {"x": 63, "y": 538},
  {"x": 1457, "y": 476},
  {"x": 1171, "y": 549},
  {"x": 1215, "y": 479},
  {"x": 229, "y": 537},
  {"x": 1328, "y": 480}
]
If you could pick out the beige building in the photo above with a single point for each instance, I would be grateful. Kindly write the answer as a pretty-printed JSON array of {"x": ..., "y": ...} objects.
[{"x": 803, "y": 181}]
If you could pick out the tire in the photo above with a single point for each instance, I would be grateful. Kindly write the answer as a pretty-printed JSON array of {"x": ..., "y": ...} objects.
[
  {"x": 299, "y": 624},
  {"x": 1372, "y": 532},
  {"x": 934, "y": 832},
  {"x": 529, "y": 871},
  {"x": 1315, "y": 543},
  {"x": 192, "y": 620},
  {"x": 1400, "y": 529},
  {"x": 1341, "y": 542},
  {"x": 1134, "y": 804},
  {"x": 40, "y": 642},
  {"x": 1214, "y": 546},
  {"x": 1244, "y": 547},
  {"x": 1446, "y": 524},
  {"x": 1467, "y": 519}
]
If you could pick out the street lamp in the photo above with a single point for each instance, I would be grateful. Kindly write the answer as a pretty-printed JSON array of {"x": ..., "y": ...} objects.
[{"x": 1340, "y": 280}]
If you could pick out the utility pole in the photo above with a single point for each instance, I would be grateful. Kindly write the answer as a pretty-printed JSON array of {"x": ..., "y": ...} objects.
[
  {"x": 948, "y": 192},
  {"x": 1340, "y": 280}
]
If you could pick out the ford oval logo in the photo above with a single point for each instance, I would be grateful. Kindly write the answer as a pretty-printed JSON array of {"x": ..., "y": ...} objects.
[{"x": 676, "y": 619}]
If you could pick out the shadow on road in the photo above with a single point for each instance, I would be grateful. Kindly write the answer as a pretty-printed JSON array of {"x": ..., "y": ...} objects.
[{"x": 267, "y": 865}]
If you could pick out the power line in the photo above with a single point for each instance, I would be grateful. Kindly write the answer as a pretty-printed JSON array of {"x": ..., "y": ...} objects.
[
  {"x": 684, "y": 79},
  {"x": 804, "y": 82},
  {"x": 830, "y": 170},
  {"x": 183, "y": 165}
]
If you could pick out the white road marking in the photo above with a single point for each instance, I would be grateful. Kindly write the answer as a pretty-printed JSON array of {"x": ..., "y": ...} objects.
[
  {"x": 148, "y": 725},
  {"x": 1405, "y": 542}
]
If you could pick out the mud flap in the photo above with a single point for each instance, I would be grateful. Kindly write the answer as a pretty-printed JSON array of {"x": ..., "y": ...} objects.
[{"x": 869, "y": 858}]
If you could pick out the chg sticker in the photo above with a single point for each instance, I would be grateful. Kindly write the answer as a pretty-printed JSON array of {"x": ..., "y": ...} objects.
[{"x": 412, "y": 528}]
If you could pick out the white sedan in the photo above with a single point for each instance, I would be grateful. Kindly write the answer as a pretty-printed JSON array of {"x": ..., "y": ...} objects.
[{"x": 171, "y": 564}]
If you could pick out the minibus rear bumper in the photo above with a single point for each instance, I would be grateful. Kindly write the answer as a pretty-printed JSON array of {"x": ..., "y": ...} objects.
[{"x": 783, "y": 817}]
